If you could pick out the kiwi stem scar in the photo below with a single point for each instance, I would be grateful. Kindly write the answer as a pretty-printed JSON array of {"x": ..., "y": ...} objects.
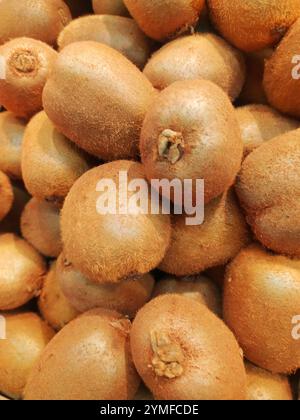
[{"x": 171, "y": 146}]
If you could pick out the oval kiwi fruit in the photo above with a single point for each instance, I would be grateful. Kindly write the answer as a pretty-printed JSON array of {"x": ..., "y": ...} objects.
[
  {"x": 110, "y": 247},
  {"x": 201, "y": 56},
  {"x": 182, "y": 351},
  {"x": 50, "y": 162},
  {"x": 191, "y": 132},
  {"x": 161, "y": 20},
  {"x": 109, "y": 7},
  {"x": 27, "y": 63},
  {"x": 268, "y": 188},
  {"x": 98, "y": 99},
  {"x": 26, "y": 337},
  {"x": 252, "y": 25},
  {"x": 21, "y": 272},
  {"x": 126, "y": 297},
  {"x": 118, "y": 32},
  {"x": 6, "y": 195},
  {"x": 40, "y": 226},
  {"x": 261, "y": 298},
  {"x": 39, "y": 19},
  {"x": 89, "y": 359},
  {"x": 53, "y": 305},
  {"x": 11, "y": 223}
]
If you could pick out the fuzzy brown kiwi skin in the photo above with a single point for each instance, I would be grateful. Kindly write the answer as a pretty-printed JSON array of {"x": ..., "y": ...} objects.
[
  {"x": 11, "y": 223},
  {"x": 175, "y": 354},
  {"x": 260, "y": 24},
  {"x": 42, "y": 20},
  {"x": 6, "y": 194},
  {"x": 201, "y": 56},
  {"x": 261, "y": 298},
  {"x": 108, "y": 248},
  {"x": 27, "y": 63},
  {"x": 268, "y": 190},
  {"x": 110, "y": 7},
  {"x": 118, "y": 32},
  {"x": 100, "y": 108},
  {"x": 98, "y": 367}
]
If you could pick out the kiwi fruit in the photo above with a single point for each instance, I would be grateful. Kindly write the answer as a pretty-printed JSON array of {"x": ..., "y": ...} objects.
[
  {"x": 11, "y": 137},
  {"x": 261, "y": 298},
  {"x": 107, "y": 248},
  {"x": 39, "y": 19},
  {"x": 109, "y": 7},
  {"x": 11, "y": 223},
  {"x": 40, "y": 226},
  {"x": 282, "y": 73},
  {"x": 197, "y": 287},
  {"x": 191, "y": 132},
  {"x": 201, "y": 56},
  {"x": 91, "y": 358},
  {"x": 265, "y": 386},
  {"x": 79, "y": 7},
  {"x": 3, "y": 398},
  {"x": 50, "y": 162},
  {"x": 6, "y": 195},
  {"x": 126, "y": 297},
  {"x": 182, "y": 351},
  {"x": 21, "y": 272},
  {"x": 252, "y": 25},
  {"x": 53, "y": 305},
  {"x": 268, "y": 189},
  {"x": 98, "y": 99},
  {"x": 26, "y": 337},
  {"x": 27, "y": 65},
  {"x": 261, "y": 123},
  {"x": 118, "y": 32},
  {"x": 161, "y": 20}
]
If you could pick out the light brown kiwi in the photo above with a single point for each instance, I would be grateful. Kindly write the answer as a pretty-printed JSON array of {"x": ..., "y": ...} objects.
[
  {"x": 11, "y": 223},
  {"x": 27, "y": 63},
  {"x": 201, "y": 56},
  {"x": 26, "y": 337},
  {"x": 197, "y": 287},
  {"x": 3, "y": 398},
  {"x": 109, "y": 7},
  {"x": 39, "y": 19},
  {"x": 11, "y": 138},
  {"x": 98, "y": 99},
  {"x": 6, "y": 195},
  {"x": 252, "y": 25},
  {"x": 191, "y": 132},
  {"x": 268, "y": 188},
  {"x": 110, "y": 247},
  {"x": 40, "y": 226},
  {"x": 118, "y": 32},
  {"x": 261, "y": 299},
  {"x": 21, "y": 272},
  {"x": 89, "y": 359},
  {"x": 53, "y": 305},
  {"x": 261, "y": 123},
  {"x": 161, "y": 20},
  {"x": 182, "y": 351},
  {"x": 50, "y": 162},
  {"x": 126, "y": 297}
]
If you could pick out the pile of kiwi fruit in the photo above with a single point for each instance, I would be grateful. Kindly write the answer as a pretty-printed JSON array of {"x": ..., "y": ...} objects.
[{"x": 142, "y": 305}]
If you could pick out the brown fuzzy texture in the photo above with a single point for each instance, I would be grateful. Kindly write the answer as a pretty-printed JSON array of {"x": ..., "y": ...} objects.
[
  {"x": 265, "y": 386},
  {"x": 261, "y": 123},
  {"x": 89, "y": 359},
  {"x": 53, "y": 305},
  {"x": 281, "y": 87},
  {"x": 201, "y": 56},
  {"x": 161, "y": 20},
  {"x": 194, "y": 249},
  {"x": 210, "y": 147},
  {"x": 110, "y": 7},
  {"x": 50, "y": 162},
  {"x": 21, "y": 272},
  {"x": 98, "y": 99},
  {"x": 11, "y": 223},
  {"x": 26, "y": 337},
  {"x": 107, "y": 248},
  {"x": 252, "y": 25},
  {"x": 183, "y": 351},
  {"x": 126, "y": 297},
  {"x": 6, "y": 195},
  {"x": 40, "y": 226},
  {"x": 261, "y": 298},
  {"x": 27, "y": 63},
  {"x": 268, "y": 187},
  {"x": 120, "y": 33}
]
